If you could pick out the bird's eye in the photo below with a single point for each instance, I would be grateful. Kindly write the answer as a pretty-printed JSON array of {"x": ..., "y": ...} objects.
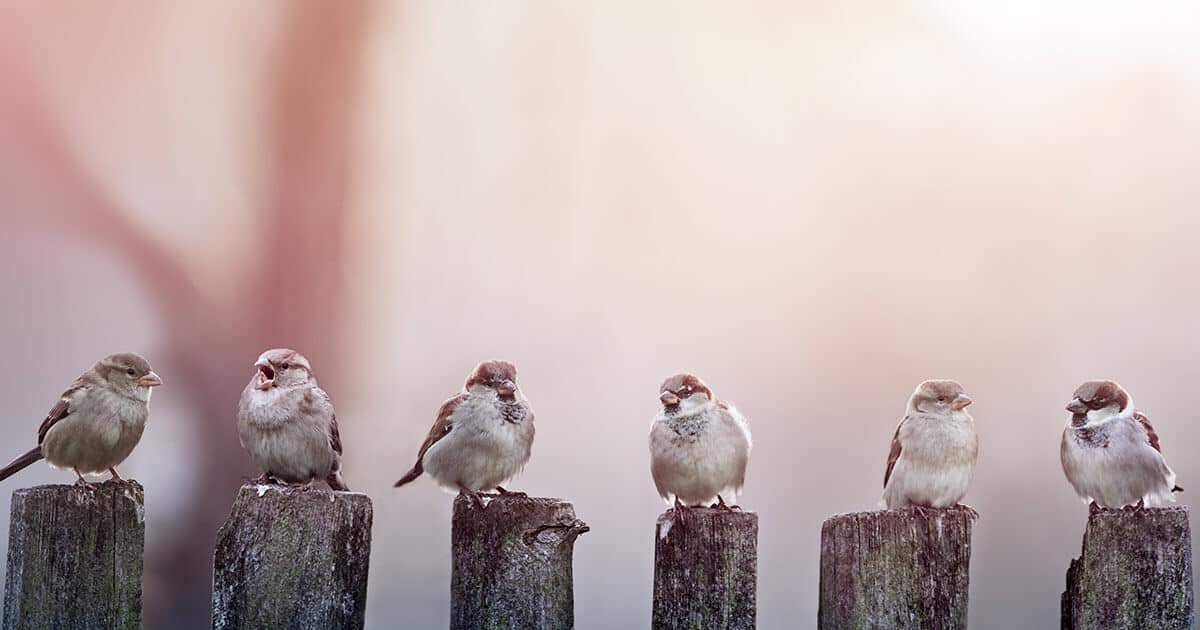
[
  {"x": 286, "y": 366},
  {"x": 130, "y": 371},
  {"x": 941, "y": 399}
]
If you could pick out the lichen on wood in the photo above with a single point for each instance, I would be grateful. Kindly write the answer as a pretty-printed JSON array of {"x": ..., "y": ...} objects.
[
  {"x": 511, "y": 563},
  {"x": 1135, "y": 571},
  {"x": 75, "y": 558},
  {"x": 292, "y": 558},
  {"x": 705, "y": 569},
  {"x": 907, "y": 568}
]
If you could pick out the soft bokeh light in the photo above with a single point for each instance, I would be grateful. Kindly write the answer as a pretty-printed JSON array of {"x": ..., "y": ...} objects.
[{"x": 813, "y": 207}]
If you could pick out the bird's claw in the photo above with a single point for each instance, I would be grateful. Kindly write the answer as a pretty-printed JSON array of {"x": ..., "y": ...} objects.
[
  {"x": 1094, "y": 508},
  {"x": 509, "y": 493},
  {"x": 474, "y": 497},
  {"x": 969, "y": 510}
]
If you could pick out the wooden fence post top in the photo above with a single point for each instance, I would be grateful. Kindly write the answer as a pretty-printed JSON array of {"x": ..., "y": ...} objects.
[
  {"x": 1134, "y": 571},
  {"x": 75, "y": 557},
  {"x": 705, "y": 569},
  {"x": 292, "y": 558}
]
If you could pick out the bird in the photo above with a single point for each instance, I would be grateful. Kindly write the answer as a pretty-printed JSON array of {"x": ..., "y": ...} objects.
[
  {"x": 482, "y": 437},
  {"x": 934, "y": 449},
  {"x": 699, "y": 446},
  {"x": 97, "y": 421},
  {"x": 287, "y": 423},
  {"x": 1110, "y": 452}
]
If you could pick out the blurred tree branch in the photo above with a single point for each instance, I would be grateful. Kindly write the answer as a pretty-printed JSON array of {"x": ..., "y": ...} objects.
[{"x": 291, "y": 295}]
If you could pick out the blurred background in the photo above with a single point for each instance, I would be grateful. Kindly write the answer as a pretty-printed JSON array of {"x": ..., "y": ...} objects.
[{"x": 812, "y": 207}]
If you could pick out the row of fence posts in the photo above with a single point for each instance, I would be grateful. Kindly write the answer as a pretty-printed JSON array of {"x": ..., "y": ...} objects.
[{"x": 297, "y": 559}]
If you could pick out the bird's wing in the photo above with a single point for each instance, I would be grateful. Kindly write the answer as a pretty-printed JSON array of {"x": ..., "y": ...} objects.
[
  {"x": 894, "y": 454},
  {"x": 335, "y": 439},
  {"x": 743, "y": 424},
  {"x": 63, "y": 407},
  {"x": 441, "y": 428},
  {"x": 1150, "y": 434}
]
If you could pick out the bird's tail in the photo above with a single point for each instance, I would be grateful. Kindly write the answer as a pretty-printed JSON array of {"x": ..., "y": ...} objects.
[
  {"x": 336, "y": 482},
  {"x": 17, "y": 464},
  {"x": 410, "y": 475}
]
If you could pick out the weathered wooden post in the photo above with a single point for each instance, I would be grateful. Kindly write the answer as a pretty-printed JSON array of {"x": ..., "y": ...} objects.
[
  {"x": 511, "y": 563},
  {"x": 75, "y": 558},
  {"x": 1135, "y": 572},
  {"x": 292, "y": 558},
  {"x": 906, "y": 568},
  {"x": 705, "y": 569}
]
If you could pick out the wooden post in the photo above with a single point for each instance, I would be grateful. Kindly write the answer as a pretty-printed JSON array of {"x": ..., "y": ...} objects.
[
  {"x": 292, "y": 558},
  {"x": 906, "y": 568},
  {"x": 1135, "y": 572},
  {"x": 511, "y": 563},
  {"x": 75, "y": 558},
  {"x": 705, "y": 569}
]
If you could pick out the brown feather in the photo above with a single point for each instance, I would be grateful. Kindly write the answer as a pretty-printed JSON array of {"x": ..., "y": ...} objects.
[
  {"x": 894, "y": 454},
  {"x": 440, "y": 429},
  {"x": 1150, "y": 434}
]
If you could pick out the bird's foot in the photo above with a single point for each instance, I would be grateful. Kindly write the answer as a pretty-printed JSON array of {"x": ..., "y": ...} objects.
[
  {"x": 509, "y": 493},
  {"x": 475, "y": 498},
  {"x": 725, "y": 507},
  {"x": 1140, "y": 506},
  {"x": 970, "y": 510},
  {"x": 680, "y": 511},
  {"x": 1094, "y": 508},
  {"x": 83, "y": 483},
  {"x": 264, "y": 479}
]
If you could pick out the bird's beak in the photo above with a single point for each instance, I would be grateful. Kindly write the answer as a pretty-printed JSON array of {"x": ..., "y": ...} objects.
[
  {"x": 506, "y": 388},
  {"x": 266, "y": 374},
  {"x": 150, "y": 380},
  {"x": 668, "y": 398},
  {"x": 1076, "y": 406},
  {"x": 961, "y": 401}
]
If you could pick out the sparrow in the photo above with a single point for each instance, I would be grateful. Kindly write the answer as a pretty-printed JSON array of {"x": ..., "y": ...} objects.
[
  {"x": 1110, "y": 452},
  {"x": 482, "y": 437},
  {"x": 699, "y": 445},
  {"x": 97, "y": 421},
  {"x": 287, "y": 424},
  {"x": 933, "y": 450}
]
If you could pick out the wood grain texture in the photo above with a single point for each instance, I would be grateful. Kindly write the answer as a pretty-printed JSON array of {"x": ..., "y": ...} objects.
[
  {"x": 705, "y": 570},
  {"x": 292, "y": 558},
  {"x": 907, "y": 568},
  {"x": 75, "y": 558},
  {"x": 511, "y": 563},
  {"x": 1135, "y": 571}
]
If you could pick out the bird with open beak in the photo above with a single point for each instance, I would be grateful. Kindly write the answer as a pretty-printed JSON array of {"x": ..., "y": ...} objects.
[
  {"x": 699, "y": 445},
  {"x": 482, "y": 437},
  {"x": 287, "y": 423},
  {"x": 1110, "y": 452},
  {"x": 933, "y": 450},
  {"x": 97, "y": 421}
]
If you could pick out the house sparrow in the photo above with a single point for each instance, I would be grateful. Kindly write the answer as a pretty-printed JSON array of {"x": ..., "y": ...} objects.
[
  {"x": 98, "y": 420},
  {"x": 933, "y": 451},
  {"x": 482, "y": 437},
  {"x": 286, "y": 422},
  {"x": 699, "y": 445},
  {"x": 1110, "y": 453}
]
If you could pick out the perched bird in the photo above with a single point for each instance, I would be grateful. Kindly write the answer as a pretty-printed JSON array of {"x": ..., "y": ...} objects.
[
  {"x": 482, "y": 437},
  {"x": 286, "y": 422},
  {"x": 699, "y": 445},
  {"x": 98, "y": 420},
  {"x": 934, "y": 449},
  {"x": 1110, "y": 453}
]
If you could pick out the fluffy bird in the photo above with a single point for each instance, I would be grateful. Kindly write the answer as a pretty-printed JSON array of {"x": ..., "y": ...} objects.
[
  {"x": 1110, "y": 452},
  {"x": 699, "y": 445},
  {"x": 482, "y": 437},
  {"x": 933, "y": 450},
  {"x": 287, "y": 424},
  {"x": 97, "y": 421}
]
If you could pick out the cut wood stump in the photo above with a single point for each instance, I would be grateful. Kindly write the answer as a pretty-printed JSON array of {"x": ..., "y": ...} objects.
[
  {"x": 705, "y": 569},
  {"x": 907, "y": 568},
  {"x": 1135, "y": 572},
  {"x": 511, "y": 563},
  {"x": 75, "y": 558},
  {"x": 292, "y": 558}
]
